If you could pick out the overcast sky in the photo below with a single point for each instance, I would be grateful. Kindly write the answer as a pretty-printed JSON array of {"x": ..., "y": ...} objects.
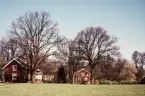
[{"x": 123, "y": 18}]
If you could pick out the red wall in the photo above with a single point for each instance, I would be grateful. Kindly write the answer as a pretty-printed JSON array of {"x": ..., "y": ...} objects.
[{"x": 9, "y": 69}]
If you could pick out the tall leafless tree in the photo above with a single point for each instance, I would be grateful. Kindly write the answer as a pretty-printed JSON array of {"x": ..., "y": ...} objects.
[
  {"x": 107, "y": 64},
  {"x": 8, "y": 48},
  {"x": 36, "y": 34},
  {"x": 139, "y": 60},
  {"x": 117, "y": 69},
  {"x": 69, "y": 54},
  {"x": 95, "y": 43}
]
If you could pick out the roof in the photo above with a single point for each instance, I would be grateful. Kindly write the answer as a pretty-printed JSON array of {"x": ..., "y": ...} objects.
[
  {"x": 14, "y": 59},
  {"x": 83, "y": 70},
  {"x": 38, "y": 72}
]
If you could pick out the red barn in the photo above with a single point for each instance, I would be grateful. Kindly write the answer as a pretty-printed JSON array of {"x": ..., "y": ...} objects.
[{"x": 15, "y": 71}]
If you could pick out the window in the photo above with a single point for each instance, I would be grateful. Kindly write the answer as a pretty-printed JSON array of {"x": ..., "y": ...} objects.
[
  {"x": 14, "y": 67},
  {"x": 82, "y": 74},
  {"x": 14, "y": 76}
]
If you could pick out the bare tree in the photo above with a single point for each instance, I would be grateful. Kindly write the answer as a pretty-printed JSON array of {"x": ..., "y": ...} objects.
[
  {"x": 36, "y": 34},
  {"x": 62, "y": 52},
  {"x": 8, "y": 48},
  {"x": 136, "y": 57},
  {"x": 118, "y": 65},
  {"x": 69, "y": 54},
  {"x": 95, "y": 43},
  {"x": 4, "y": 50},
  {"x": 139, "y": 60},
  {"x": 107, "y": 64}
]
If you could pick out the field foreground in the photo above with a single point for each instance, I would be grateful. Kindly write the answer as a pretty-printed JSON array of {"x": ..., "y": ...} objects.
[{"x": 70, "y": 90}]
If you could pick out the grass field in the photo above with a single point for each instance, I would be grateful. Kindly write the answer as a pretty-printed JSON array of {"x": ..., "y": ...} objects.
[{"x": 70, "y": 90}]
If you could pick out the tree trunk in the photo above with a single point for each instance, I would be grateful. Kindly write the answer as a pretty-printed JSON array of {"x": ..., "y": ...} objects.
[
  {"x": 31, "y": 76},
  {"x": 140, "y": 74},
  {"x": 70, "y": 78},
  {"x": 91, "y": 79}
]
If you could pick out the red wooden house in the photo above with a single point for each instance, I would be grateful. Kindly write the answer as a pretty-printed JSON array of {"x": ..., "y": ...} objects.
[{"x": 15, "y": 71}]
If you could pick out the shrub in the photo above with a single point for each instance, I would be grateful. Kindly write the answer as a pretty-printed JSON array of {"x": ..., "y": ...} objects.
[
  {"x": 97, "y": 82},
  {"x": 102, "y": 82},
  {"x": 142, "y": 81},
  {"x": 107, "y": 82},
  {"x": 128, "y": 82},
  {"x": 84, "y": 82},
  {"x": 116, "y": 82}
]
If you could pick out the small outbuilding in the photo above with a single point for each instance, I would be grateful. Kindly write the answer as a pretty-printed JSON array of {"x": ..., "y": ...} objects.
[
  {"x": 37, "y": 76},
  {"x": 82, "y": 76}
]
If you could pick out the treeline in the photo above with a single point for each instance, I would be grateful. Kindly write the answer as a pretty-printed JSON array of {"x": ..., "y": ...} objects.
[{"x": 35, "y": 37}]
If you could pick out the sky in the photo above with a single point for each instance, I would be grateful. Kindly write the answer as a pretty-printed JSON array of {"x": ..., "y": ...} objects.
[{"x": 124, "y": 19}]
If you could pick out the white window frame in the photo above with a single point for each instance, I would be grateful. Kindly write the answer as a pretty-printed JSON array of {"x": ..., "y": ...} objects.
[
  {"x": 82, "y": 74},
  {"x": 14, "y": 67},
  {"x": 14, "y": 76}
]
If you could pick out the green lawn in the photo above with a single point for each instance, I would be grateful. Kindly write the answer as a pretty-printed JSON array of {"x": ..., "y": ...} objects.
[{"x": 70, "y": 90}]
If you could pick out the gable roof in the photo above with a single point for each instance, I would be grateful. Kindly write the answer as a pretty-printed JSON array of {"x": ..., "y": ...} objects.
[
  {"x": 14, "y": 59},
  {"x": 38, "y": 72},
  {"x": 83, "y": 70}
]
